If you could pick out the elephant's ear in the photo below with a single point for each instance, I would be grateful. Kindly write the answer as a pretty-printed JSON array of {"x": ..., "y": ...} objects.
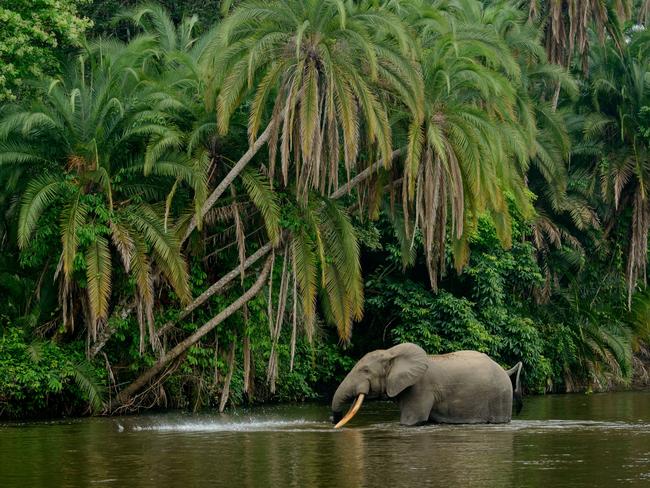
[{"x": 408, "y": 363}]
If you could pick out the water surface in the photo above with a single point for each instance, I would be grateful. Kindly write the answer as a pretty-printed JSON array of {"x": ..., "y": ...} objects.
[{"x": 560, "y": 440}]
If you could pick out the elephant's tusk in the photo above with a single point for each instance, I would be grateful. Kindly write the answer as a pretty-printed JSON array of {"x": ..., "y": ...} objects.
[{"x": 352, "y": 412}]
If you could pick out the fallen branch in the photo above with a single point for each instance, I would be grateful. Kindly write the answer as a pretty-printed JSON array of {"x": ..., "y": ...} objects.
[{"x": 217, "y": 287}]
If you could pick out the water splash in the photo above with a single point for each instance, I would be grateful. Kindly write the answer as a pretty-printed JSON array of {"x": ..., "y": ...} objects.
[{"x": 240, "y": 426}]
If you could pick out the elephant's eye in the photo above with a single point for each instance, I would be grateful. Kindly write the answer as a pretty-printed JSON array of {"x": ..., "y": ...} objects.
[{"x": 365, "y": 369}]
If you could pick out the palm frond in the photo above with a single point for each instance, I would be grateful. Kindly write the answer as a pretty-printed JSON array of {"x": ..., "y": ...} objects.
[
  {"x": 41, "y": 192},
  {"x": 73, "y": 217},
  {"x": 98, "y": 275},
  {"x": 86, "y": 380},
  {"x": 265, "y": 199}
]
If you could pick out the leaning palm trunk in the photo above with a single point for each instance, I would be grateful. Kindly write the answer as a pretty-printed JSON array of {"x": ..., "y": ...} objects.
[
  {"x": 217, "y": 287},
  {"x": 229, "y": 178},
  {"x": 365, "y": 174}
]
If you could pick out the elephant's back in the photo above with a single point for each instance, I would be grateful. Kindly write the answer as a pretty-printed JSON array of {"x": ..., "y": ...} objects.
[
  {"x": 466, "y": 355},
  {"x": 461, "y": 361},
  {"x": 470, "y": 387},
  {"x": 472, "y": 365}
]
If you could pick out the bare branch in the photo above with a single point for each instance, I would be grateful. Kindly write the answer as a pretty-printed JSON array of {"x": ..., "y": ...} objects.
[{"x": 184, "y": 345}]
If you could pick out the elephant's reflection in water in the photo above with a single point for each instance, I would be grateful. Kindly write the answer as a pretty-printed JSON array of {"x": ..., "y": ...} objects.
[{"x": 304, "y": 459}]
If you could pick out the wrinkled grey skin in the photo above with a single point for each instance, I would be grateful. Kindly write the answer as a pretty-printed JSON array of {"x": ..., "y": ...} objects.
[{"x": 464, "y": 387}]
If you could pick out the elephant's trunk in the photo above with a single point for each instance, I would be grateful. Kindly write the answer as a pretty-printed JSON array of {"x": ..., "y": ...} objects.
[
  {"x": 342, "y": 396},
  {"x": 344, "y": 393}
]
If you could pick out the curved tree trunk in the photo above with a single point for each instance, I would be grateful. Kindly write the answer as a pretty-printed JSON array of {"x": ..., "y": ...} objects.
[
  {"x": 217, "y": 287},
  {"x": 363, "y": 175},
  {"x": 264, "y": 250}
]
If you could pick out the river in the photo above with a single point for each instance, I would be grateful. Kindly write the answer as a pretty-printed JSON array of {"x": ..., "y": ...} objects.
[{"x": 599, "y": 440}]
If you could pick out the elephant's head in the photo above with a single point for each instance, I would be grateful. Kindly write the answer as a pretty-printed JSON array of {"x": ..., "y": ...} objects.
[{"x": 379, "y": 372}]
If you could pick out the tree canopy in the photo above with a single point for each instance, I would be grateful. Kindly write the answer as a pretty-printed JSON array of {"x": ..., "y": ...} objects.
[{"x": 233, "y": 208}]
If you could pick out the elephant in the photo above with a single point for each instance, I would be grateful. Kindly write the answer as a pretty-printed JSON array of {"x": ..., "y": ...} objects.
[{"x": 463, "y": 387}]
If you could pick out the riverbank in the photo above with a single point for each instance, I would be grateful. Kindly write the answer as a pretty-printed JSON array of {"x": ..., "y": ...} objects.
[
  {"x": 639, "y": 384},
  {"x": 46, "y": 380}
]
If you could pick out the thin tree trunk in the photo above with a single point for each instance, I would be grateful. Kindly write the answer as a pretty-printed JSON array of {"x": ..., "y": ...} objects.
[
  {"x": 369, "y": 171},
  {"x": 230, "y": 177},
  {"x": 272, "y": 371},
  {"x": 556, "y": 96},
  {"x": 231, "y": 366},
  {"x": 215, "y": 379},
  {"x": 107, "y": 333},
  {"x": 217, "y": 287},
  {"x": 247, "y": 363},
  {"x": 295, "y": 314},
  {"x": 264, "y": 250},
  {"x": 183, "y": 346}
]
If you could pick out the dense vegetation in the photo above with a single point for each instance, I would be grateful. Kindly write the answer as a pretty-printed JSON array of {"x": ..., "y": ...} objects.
[{"x": 208, "y": 203}]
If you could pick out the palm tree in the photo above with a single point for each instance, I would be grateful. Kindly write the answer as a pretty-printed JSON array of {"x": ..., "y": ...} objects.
[
  {"x": 567, "y": 26},
  {"x": 323, "y": 73},
  {"x": 479, "y": 132},
  {"x": 561, "y": 209},
  {"x": 81, "y": 149},
  {"x": 319, "y": 246}
]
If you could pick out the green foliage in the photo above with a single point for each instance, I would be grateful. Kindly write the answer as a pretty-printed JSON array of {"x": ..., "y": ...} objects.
[
  {"x": 102, "y": 13},
  {"x": 324, "y": 71},
  {"x": 34, "y": 36},
  {"x": 563, "y": 345},
  {"x": 317, "y": 368},
  {"x": 42, "y": 378},
  {"x": 75, "y": 171}
]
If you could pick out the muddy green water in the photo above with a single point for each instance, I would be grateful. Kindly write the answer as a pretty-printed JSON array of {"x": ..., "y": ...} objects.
[{"x": 563, "y": 440}]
